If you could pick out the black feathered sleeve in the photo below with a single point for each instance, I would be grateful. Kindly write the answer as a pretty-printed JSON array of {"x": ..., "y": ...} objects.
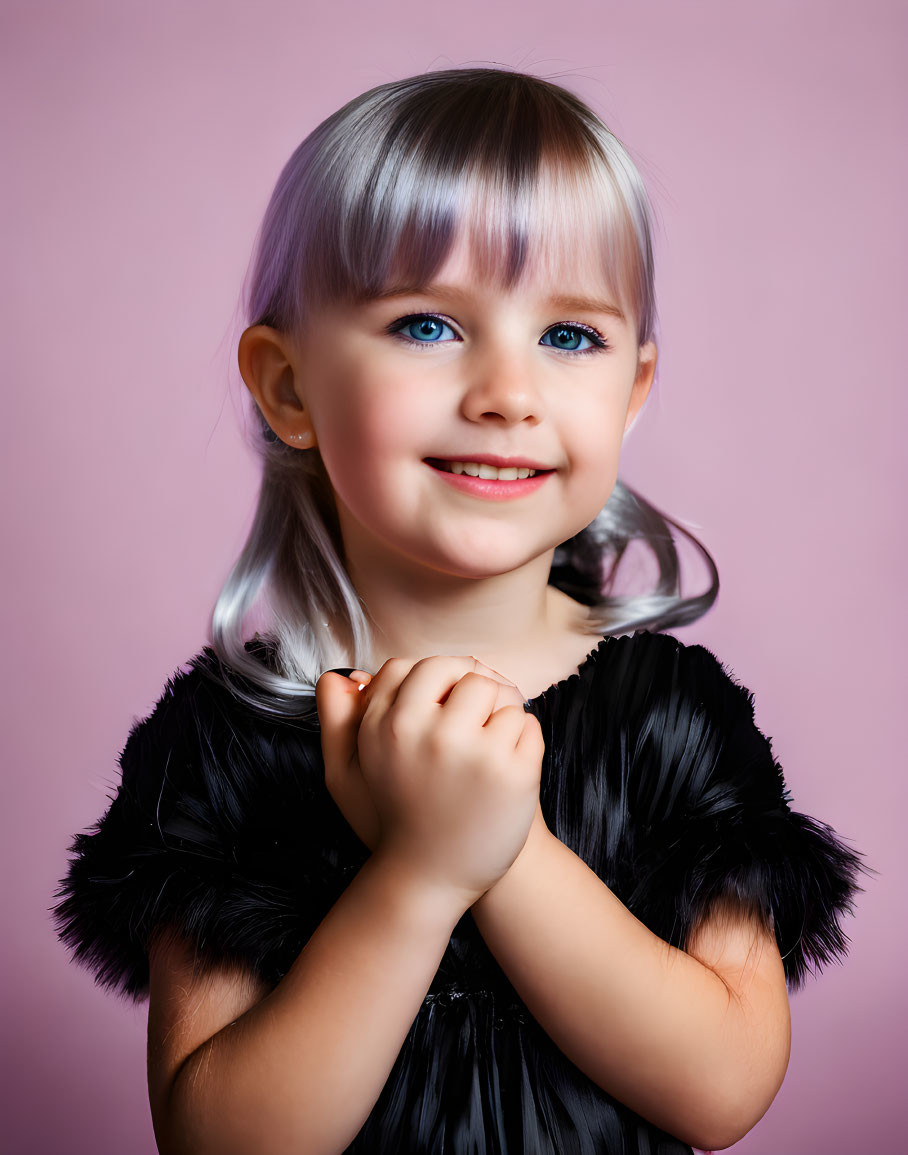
[
  {"x": 221, "y": 829},
  {"x": 715, "y": 820}
]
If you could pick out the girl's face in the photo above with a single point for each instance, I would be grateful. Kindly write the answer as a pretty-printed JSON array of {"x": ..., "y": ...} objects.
[{"x": 402, "y": 388}]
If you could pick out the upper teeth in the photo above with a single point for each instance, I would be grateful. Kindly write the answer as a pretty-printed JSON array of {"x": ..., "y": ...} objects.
[{"x": 491, "y": 472}]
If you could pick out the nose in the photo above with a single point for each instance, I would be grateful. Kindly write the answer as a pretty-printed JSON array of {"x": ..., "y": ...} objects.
[{"x": 501, "y": 386}]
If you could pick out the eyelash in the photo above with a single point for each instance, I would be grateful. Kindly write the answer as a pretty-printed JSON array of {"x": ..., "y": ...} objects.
[{"x": 600, "y": 344}]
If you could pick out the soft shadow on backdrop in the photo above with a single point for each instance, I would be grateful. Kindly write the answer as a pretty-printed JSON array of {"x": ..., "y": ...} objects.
[{"x": 141, "y": 145}]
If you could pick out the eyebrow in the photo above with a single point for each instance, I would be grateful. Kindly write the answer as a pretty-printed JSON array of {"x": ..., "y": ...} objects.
[{"x": 569, "y": 304}]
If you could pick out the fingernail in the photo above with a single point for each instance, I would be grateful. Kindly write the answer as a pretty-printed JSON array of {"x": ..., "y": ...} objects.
[{"x": 347, "y": 671}]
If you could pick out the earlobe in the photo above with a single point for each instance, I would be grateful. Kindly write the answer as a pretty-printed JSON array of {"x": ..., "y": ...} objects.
[{"x": 267, "y": 366}]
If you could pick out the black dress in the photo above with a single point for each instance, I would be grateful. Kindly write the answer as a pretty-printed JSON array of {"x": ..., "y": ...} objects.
[{"x": 655, "y": 774}]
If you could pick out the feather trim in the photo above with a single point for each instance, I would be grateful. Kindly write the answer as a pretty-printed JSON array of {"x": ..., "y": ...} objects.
[
  {"x": 682, "y": 802},
  {"x": 221, "y": 829},
  {"x": 656, "y": 775}
]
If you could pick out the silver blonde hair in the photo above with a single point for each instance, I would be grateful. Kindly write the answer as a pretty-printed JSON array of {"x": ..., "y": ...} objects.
[{"x": 376, "y": 196}]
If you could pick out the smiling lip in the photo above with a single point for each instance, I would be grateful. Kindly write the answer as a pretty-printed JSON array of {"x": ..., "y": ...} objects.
[
  {"x": 489, "y": 488},
  {"x": 498, "y": 462}
]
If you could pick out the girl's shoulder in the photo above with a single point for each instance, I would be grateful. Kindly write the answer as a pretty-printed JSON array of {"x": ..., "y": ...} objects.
[
  {"x": 219, "y": 813},
  {"x": 657, "y": 681},
  {"x": 672, "y": 727},
  {"x": 203, "y": 726},
  {"x": 662, "y": 780}
]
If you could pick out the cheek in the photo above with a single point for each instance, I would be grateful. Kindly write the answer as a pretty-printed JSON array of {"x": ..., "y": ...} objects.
[
  {"x": 596, "y": 448},
  {"x": 383, "y": 419},
  {"x": 345, "y": 417},
  {"x": 370, "y": 441},
  {"x": 596, "y": 441},
  {"x": 374, "y": 433}
]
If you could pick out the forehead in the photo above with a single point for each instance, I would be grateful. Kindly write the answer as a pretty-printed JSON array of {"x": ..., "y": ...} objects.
[{"x": 567, "y": 267}]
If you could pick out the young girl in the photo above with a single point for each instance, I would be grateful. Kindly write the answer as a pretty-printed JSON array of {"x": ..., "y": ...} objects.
[{"x": 535, "y": 884}]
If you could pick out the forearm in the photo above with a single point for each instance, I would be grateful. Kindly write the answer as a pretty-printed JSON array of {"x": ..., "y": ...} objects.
[
  {"x": 302, "y": 1069},
  {"x": 648, "y": 1023}
]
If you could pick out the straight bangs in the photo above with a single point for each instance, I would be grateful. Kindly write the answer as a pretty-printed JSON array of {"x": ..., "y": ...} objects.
[{"x": 520, "y": 167}]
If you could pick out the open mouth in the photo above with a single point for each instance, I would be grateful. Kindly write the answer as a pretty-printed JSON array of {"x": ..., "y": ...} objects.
[{"x": 486, "y": 472}]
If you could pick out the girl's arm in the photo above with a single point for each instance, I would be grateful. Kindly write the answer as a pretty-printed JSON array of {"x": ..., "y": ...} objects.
[
  {"x": 302, "y": 1068},
  {"x": 697, "y": 1042}
]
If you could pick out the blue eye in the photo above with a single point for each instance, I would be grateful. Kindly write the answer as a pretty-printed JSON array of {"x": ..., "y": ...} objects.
[
  {"x": 568, "y": 338},
  {"x": 422, "y": 329}
]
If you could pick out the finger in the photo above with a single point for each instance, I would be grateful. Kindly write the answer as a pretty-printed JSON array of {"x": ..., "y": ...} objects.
[
  {"x": 531, "y": 738},
  {"x": 340, "y": 711},
  {"x": 381, "y": 691},
  {"x": 508, "y": 695},
  {"x": 508, "y": 724},
  {"x": 482, "y": 668},
  {"x": 431, "y": 680},
  {"x": 471, "y": 699},
  {"x": 359, "y": 676}
]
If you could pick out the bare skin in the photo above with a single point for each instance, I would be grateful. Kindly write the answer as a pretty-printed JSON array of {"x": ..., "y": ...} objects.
[
  {"x": 436, "y": 764},
  {"x": 233, "y": 1067},
  {"x": 697, "y": 1041}
]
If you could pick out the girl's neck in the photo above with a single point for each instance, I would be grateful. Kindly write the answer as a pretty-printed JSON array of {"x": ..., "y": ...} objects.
[{"x": 515, "y": 623}]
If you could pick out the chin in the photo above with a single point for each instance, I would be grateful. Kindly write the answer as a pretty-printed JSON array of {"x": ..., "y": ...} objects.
[{"x": 482, "y": 564}]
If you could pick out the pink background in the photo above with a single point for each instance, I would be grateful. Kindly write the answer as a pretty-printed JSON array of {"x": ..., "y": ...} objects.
[{"x": 141, "y": 143}]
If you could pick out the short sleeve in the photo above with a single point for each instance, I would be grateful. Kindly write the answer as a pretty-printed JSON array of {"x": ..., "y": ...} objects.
[
  {"x": 729, "y": 831},
  {"x": 208, "y": 835}
]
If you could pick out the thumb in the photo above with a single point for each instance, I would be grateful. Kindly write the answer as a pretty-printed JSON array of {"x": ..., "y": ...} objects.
[{"x": 340, "y": 705}]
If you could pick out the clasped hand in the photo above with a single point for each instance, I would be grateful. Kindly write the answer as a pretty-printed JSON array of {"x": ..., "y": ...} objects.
[{"x": 436, "y": 764}]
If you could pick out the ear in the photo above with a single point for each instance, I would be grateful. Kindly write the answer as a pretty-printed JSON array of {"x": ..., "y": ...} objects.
[
  {"x": 646, "y": 371},
  {"x": 267, "y": 364}
]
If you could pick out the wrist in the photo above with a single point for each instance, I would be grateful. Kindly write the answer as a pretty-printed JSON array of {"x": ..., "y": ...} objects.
[
  {"x": 539, "y": 840},
  {"x": 428, "y": 900}
]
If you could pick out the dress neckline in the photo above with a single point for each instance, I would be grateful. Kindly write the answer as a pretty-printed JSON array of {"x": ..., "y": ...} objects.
[
  {"x": 555, "y": 687},
  {"x": 262, "y": 645}
]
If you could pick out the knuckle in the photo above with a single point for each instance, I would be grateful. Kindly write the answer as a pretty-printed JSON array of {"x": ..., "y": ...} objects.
[
  {"x": 397, "y": 725},
  {"x": 434, "y": 660},
  {"x": 513, "y": 715}
]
